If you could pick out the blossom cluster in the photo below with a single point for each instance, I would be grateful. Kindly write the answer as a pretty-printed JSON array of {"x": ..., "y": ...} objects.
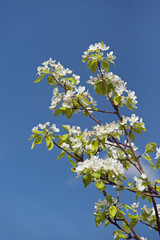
[
  {"x": 118, "y": 86},
  {"x": 151, "y": 211},
  {"x": 132, "y": 120},
  {"x": 139, "y": 182},
  {"x": 50, "y": 66},
  {"x": 87, "y": 141},
  {"x": 53, "y": 128},
  {"x": 105, "y": 203},
  {"x": 67, "y": 98},
  {"x": 95, "y": 164},
  {"x": 87, "y": 146},
  {"x": 98, "y": 49}
]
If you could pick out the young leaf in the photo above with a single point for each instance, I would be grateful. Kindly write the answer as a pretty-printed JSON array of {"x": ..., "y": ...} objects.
[
  {"x": 94, "y": 66},
  {"x": 50, "y": 80},
  {"x": 87, "y": 179},
  {"x": 106, "y": 65},
  {"x": 150, "y": 147},
  {"x": 85, "y": 59},
  {"x": 38, "y": 140},
  {"x": 89, "y": 63},
  {"x": 96, "y": 175},
  {"x": 40, "y": 78},
  {"x": 69, "y": 113},
  {"x": 158, "y": 163},
  {"x": 71, "y": 162},
  {"x": 132, "y": 136},
  {"x": 49, "y": 143},
  {"x": 66, "y": 127},
  {"x": 33, "y": 144},
  {"x": 112, "y": 211},
  {"x": 61, "y": 155},
  {"x": 129, "y": 105},
  {"x": 57, "y": 112},
  {"x": 133, "y": 222},
  {"x": 94, "y": 145},
  {"x": 100, "y": 186},
  {"x": 99, "y": 88},
  {"x": 147, "y": 157},
  {"x": 152, "y": 165},
  {"x": 117, "y": 100}
]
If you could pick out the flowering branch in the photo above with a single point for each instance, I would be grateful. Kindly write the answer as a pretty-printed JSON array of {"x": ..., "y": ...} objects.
[{"x": 115, "y": 139}]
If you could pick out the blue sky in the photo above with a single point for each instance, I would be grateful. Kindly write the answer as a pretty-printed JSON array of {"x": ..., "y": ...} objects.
[{"x": 40, "y": 198}]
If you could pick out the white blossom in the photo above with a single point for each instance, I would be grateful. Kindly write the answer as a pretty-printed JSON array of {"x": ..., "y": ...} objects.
[
  {"x": 135, "y": 205},
  {"x": 65, "y": 145},
  {"x": 97, "y": 164},
  {"x": 35, "y": 128},
  {"x": 157, "y": 153},
  {"x": 133, "y": 119},
  {"x": 139, "y": 185},
  {"x": 54, "y": 128},
  {"x": 143, "y": 176},
  {"x": 110, "y": 56}
]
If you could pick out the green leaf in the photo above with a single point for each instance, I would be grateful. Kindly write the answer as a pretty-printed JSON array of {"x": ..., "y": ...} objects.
[
  {"x": 85, "y": 59},
  {"x": 106, "y": 65},
  {"x": 102, "y": 44},
  {"x": 147, "y": 157},
  {"x": 152, "y": 165},
  {"x": 69, "y": 112},
  {"x": 38, "y": 140},
  {"x": 66, "y": 127},
  {"x": 71, "y": 162},
  {"x": 85, "y": 113},
  {"x": 32, "y": 136},
  {"x": 158, "y": 163},
  {"x": 133, "y": 222},
  {"x": 112, "y": 211},
  {"x": 107, "y": 223},
  {"x": 150, "y": 147},
  {"x": 149, "y": 200},
  {"x": 152, "y": 221},
  {"x": 94, "y": 144},
  {"x": 94, "y": 66},
  {"x": 125, "y": 227},
  {"x": 87, "y": 179},
  {"x": 137, "y": 130},
  {"x": 96, "y": 175},
  {"x": 86, "y": 101},
  {"x": 100, "y": 186},
  {"x": 61, "y": 155},
  {"x": 117, "y": 100},
  {"x": 49, "y": 143},
  {"x": 132, "y": 136},
  {"x": 124, "y": 236},
  {"x": 57, "y": 112},
  {"x": 89, "y": 63},
  {"x": 99, "y": 88},
  {"x": 50, "y": 80},
  {"x": 129, "y": 105},
  {"x": 136, "y": 197},
  {"x": 33, "y": 144},
  {"x": 63, "y": 138},
  {"x": 63, "y": 110},
  {"x": 40, "y": 78},
  {"x": 37, "y": 131}
]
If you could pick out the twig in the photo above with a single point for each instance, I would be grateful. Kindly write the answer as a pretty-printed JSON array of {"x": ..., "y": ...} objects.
[
  {"x": 148, "y": 225},
  {"x": 78, "y": 159}
]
